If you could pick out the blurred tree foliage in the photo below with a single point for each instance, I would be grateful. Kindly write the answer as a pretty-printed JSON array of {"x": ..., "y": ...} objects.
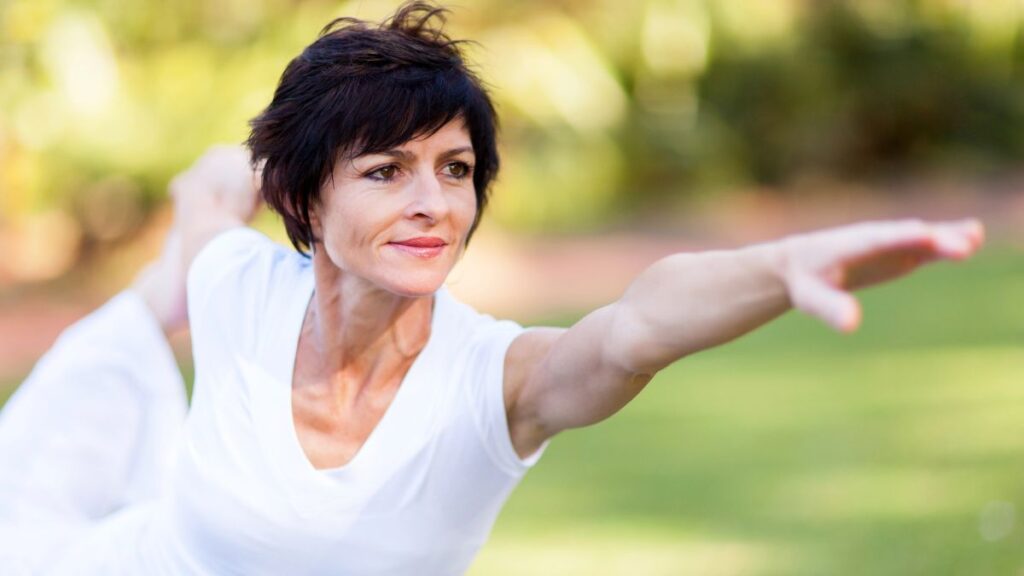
[{"x": 605, "y": 104}]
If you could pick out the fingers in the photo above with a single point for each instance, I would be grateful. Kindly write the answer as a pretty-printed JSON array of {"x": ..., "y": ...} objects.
[
  {"x": 818, "y": 298},
  {"x": 954, "y": 240},
  {"x": 958, "y": 240},
  {"x": 820, "y": 268}
]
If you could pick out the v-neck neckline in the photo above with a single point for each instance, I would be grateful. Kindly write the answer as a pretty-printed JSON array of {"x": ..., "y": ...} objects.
[{"x": 386, "y": 434}]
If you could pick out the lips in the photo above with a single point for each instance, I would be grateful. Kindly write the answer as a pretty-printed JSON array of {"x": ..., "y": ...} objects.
[
  {"x": 421, "y": 247},
  {"x": 422, "y": 242}
]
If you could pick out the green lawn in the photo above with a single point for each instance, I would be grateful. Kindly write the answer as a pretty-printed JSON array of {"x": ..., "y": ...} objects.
[
  {"x": 7, "y": 388},
  {"x": 898, "y": 450}
]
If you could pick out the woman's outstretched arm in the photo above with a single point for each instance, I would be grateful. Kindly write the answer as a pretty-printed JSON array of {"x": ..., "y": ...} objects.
[{"x": 566, "y": 378}]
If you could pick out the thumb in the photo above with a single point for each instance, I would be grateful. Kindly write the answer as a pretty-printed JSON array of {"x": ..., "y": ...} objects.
[{"x": 814, "y": 296}]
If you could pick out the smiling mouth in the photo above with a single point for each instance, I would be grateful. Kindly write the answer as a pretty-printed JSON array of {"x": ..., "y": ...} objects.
[
  {"x": 420, "y": 247},
  {"x": 423, "y": 242}
]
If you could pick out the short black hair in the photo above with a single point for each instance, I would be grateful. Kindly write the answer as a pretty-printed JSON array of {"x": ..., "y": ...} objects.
[{"x": 363, "y": 88}]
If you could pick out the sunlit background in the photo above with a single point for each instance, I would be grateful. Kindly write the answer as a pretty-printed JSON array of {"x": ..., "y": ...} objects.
[{"x": 630, "y": 130}]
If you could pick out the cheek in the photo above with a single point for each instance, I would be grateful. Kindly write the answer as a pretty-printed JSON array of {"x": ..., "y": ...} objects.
[
  {"x": 342, "y": 236},
  {"x": 465, "y": 211}
]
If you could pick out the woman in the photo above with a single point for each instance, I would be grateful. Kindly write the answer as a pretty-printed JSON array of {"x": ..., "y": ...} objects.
[{"x": 349, "y": 416}]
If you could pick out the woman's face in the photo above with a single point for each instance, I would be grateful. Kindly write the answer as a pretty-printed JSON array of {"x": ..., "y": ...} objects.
[{"x": 399, "y": 219}]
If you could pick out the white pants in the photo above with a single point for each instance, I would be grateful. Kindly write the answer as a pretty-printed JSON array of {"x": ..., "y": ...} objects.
[{"x": 92, "y": 429}]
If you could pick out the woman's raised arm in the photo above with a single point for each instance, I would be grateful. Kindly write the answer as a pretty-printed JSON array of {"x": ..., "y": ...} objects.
[{"x": 558, "y": 379}]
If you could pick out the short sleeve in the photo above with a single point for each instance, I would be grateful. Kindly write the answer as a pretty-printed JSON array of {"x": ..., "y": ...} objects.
[{"x": 485, "y": 385}]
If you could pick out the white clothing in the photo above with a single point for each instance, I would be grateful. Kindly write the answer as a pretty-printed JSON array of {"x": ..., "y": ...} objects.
[
  {"x": 92, "y": 430},
  {"x": 420, "y": 496}
]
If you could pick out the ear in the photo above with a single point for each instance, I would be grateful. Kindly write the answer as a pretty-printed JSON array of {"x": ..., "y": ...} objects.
[
  {"x": 314, "y": 222},
  {"x": 315, "y": 225}
]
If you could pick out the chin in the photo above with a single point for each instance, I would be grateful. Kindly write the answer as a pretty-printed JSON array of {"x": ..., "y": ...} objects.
[{"x": 414, "y": 285}]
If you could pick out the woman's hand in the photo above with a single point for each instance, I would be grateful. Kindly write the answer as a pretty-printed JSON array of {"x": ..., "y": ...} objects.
[
  {"x": 820, "y": 269},
  {"x": 222, "y": 180},
  {"x": 218, "y": 192}
]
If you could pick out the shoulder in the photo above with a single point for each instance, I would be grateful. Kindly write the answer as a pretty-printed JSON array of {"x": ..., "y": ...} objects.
[
  {"x": 228, "y": 254},
  {"x": 233, "y": 277},
  {"x": 474, "y": 337}
]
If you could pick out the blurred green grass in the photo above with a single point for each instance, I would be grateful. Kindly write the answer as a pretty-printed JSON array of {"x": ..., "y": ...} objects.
[
  {"x": 7, "y": 387},
  {"x": 896, "y": 450}
]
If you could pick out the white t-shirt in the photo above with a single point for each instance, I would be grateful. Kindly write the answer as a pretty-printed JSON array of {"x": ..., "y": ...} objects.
[{"x": 420, "y": 496}]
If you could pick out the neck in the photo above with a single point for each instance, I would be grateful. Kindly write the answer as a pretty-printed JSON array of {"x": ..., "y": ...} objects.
[{"x": 355, "y": 325}]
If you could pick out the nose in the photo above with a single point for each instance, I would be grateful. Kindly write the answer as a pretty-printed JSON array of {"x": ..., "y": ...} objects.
[{"x": 427, "y": 201}]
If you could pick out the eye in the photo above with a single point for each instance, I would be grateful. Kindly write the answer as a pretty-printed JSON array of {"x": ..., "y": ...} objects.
[
  {"x": 384, "y": 173},
  {"x": 458, "y": 170}
]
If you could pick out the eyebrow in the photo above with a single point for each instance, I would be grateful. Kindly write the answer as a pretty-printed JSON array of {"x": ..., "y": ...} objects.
[{"x": 407, "y": 156}]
